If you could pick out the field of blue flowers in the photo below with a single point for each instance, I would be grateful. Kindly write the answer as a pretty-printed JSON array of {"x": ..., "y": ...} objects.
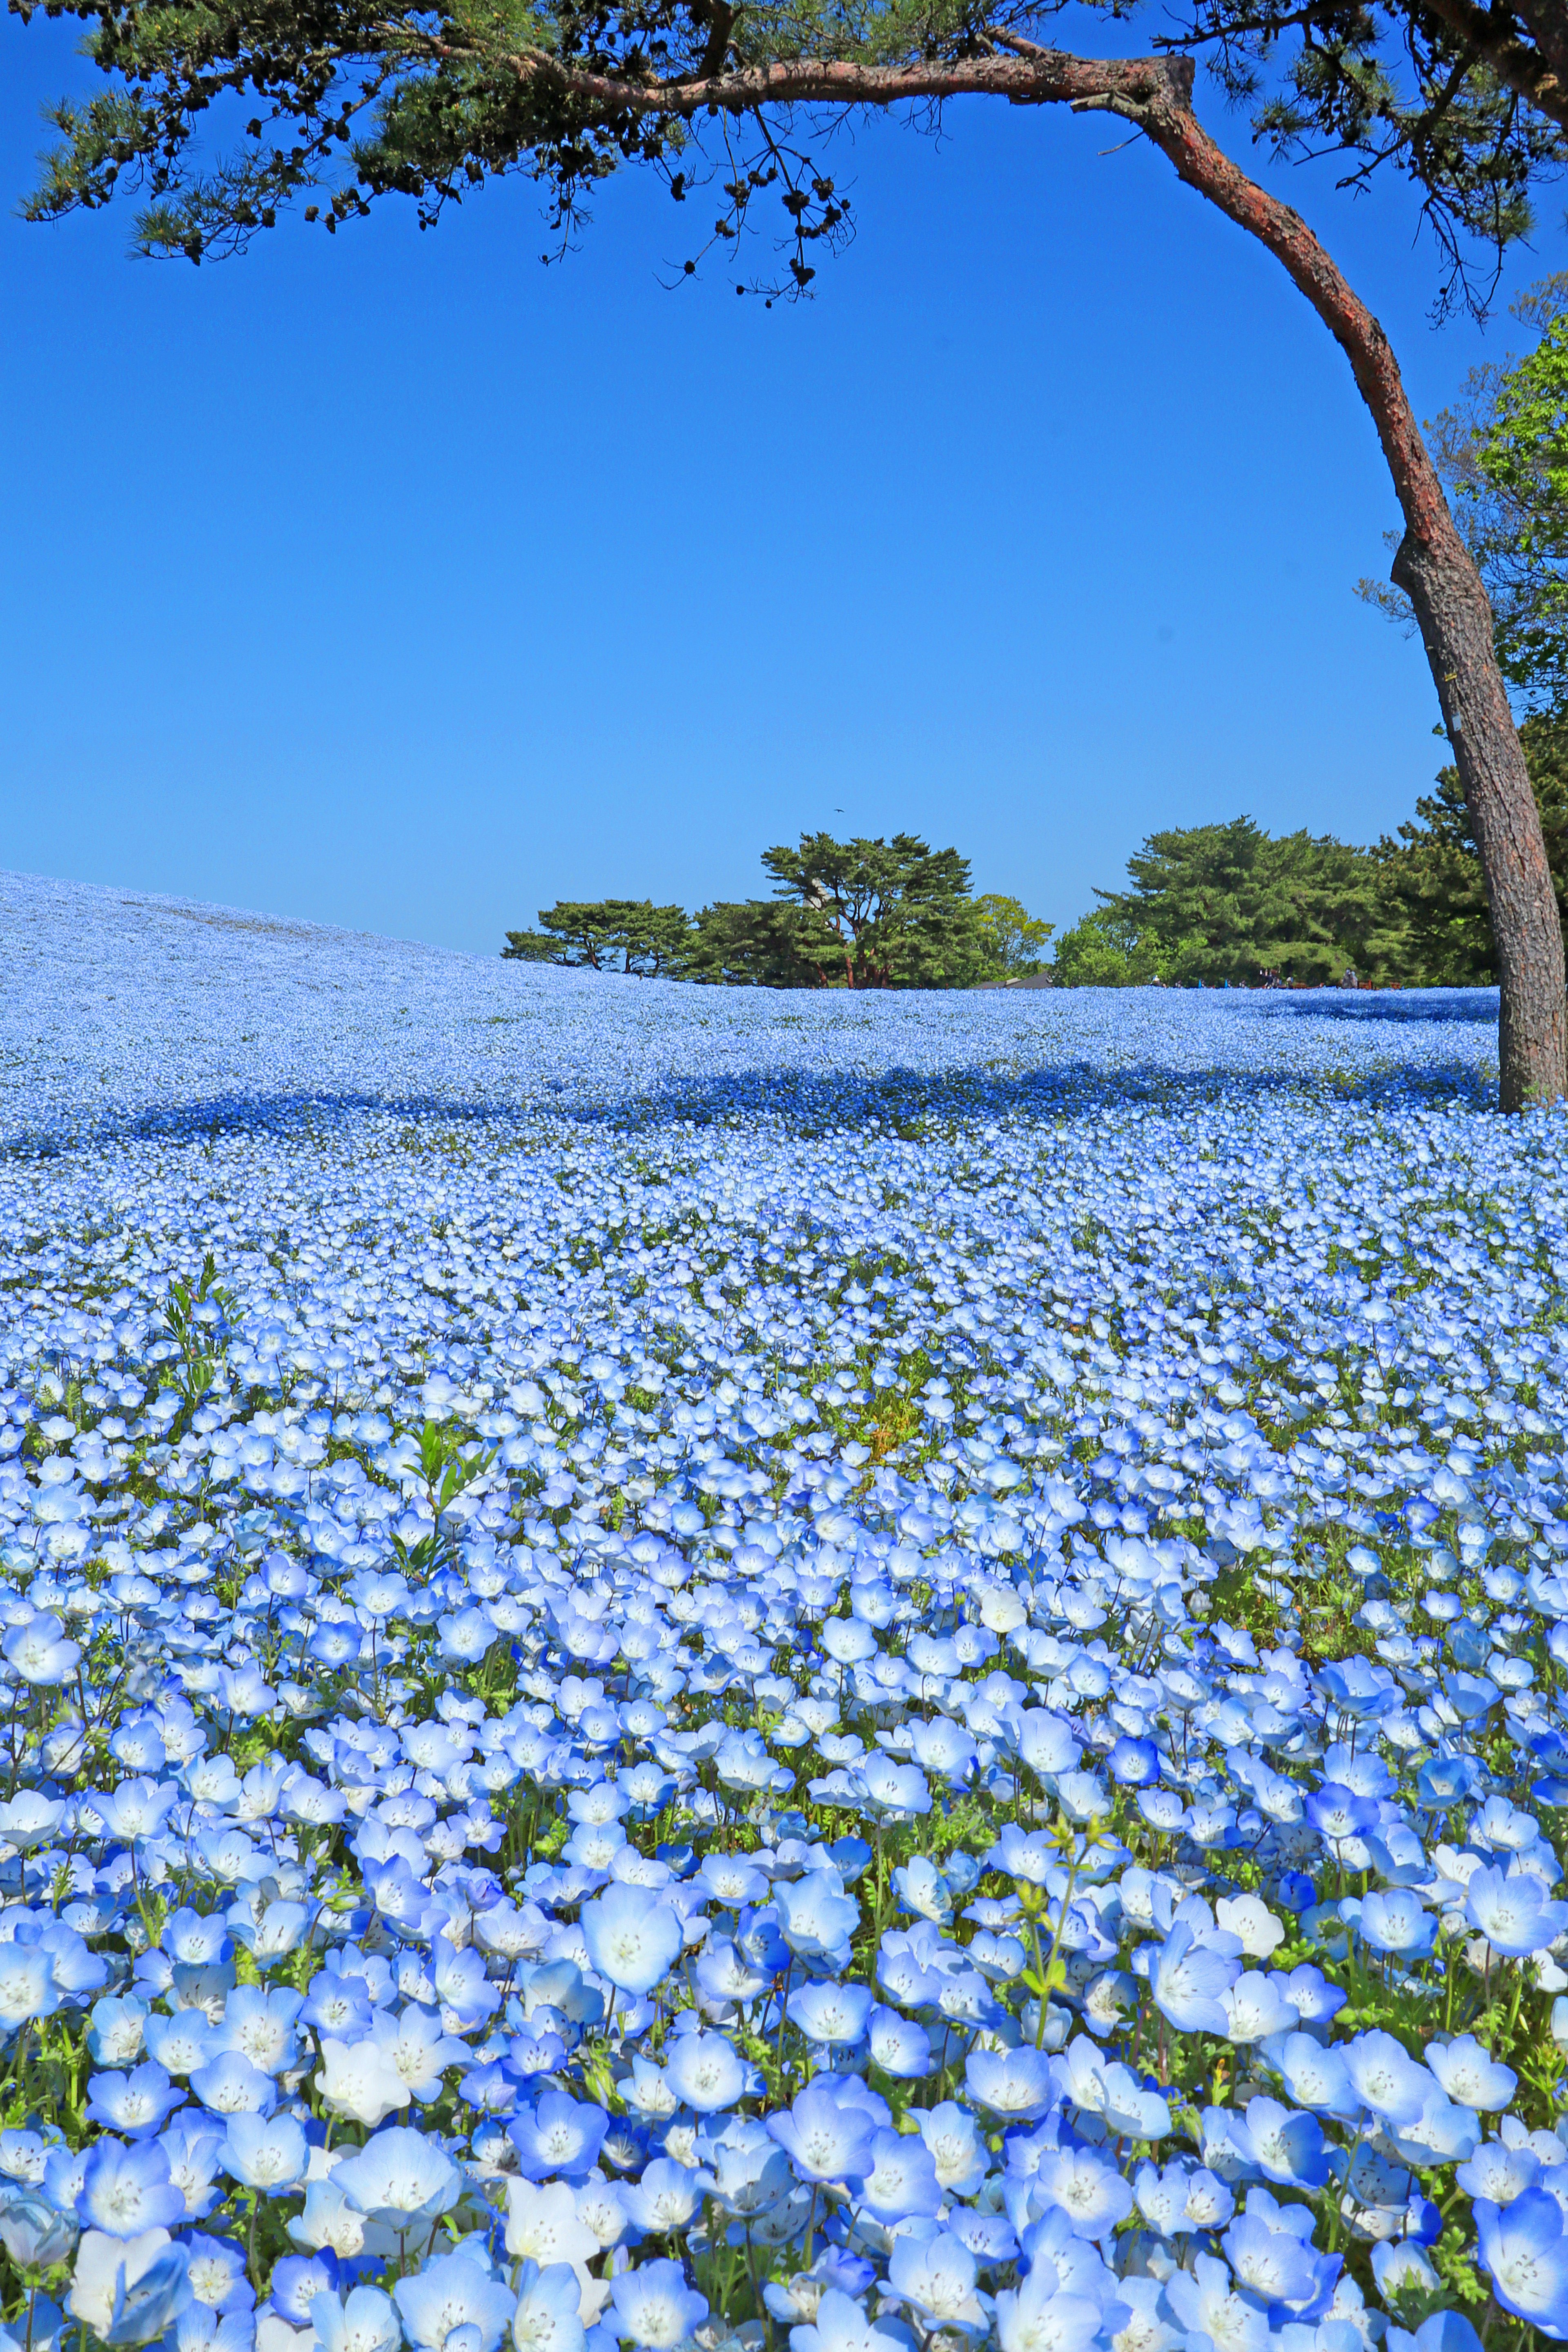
[{"x": 691, "y": 1667}]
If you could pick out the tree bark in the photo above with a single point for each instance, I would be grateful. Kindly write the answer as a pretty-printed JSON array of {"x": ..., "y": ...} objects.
[
  {"x": 1433, "y": 565},
  {"x": 1434, "y": 568}
]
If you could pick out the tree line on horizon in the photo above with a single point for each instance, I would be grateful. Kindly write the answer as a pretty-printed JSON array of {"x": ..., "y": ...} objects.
[
  {"x": 1206, "y": 904},
  {"x": 845, "y": 914},
  {"x": 1213, "y": 903}
]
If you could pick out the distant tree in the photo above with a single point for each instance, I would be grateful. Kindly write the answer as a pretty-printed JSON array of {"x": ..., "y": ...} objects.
[
  {"x": 533, "y": 947},
  {"x": 627, "y": 935},
  {"x": 1218, "y": 902},
  {"x": 1012, "y": 941},
  {"x": 1434, "y": 870},
  {"x": 1105, "y": 950},
  {"x": 879, "y": 913},
  {"x": 750, "y": 943}
]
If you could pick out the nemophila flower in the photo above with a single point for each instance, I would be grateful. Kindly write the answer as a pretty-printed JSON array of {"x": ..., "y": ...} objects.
[
  {"x": 1445, "y": 2331},
  {"x": 29, "y": 1817},
  {"x": 1014, "y": 2084},
  {"x": 398, "y": 2178},
  {"x": 1497, "y": 2172},
  {"x": 1513, "y": 1913},
  {"x": 230, "y": 2085},
  {"x": 936, "y": 2277},
  {"x": 360, "y": 2079},
  {"x": 137, "y": 2104},
  {"x": 449, "y": 2294},
  {"x": 1470, "y": 2075},
  {"x": 921, "y": 1888},
  {"x": 1523, "y": 2248},
  {"x": 1038, "y": 2317},
  {"x": 216, "y": 2267},
  {"x": 557, "y": 2135},
  {"x": 200, "y": 2328},
  {"x": 266, "y": 2153},
  {"x": 750, "y": 2172},
  {"x": 543, "y": 2226},
  {"x": 1384, "y": 2078},
  {"x": 840, "y": 2325},
  {"x": 41, "y": 1650},
  {"x": 824, "y": 2135},
  {"x": 654, "y": 2306},
  {"x": 1393, "y": 1920},
  {"x": 193, "y": 2150},
  {"x": 897, "y": 2046},
  {"x": 548, "y": 2316},
  {"x": 666, "y": 2198},
  {"x": 817, "y": 1917},
  {"x": 1086, "y": 2187},
  {"x": 1255, "y": 2007},
  {"x": 128, "y": 2289},
  {"x": 830, "y": 2013},
  {"x": 298, "y": 2280},
  {"x": 1272, "y": 2263},
  {"x": 706, "y": 2072},
  {"x": 1207, "y": 2303},
  {"x": 126, "y": 2190},
  {"x": 1314, "y": 2075},
  {"x": 1398, "y": 2267},
  {"x": 1189, "y": 1981},
  {"x": 901, "y": 2183},
  {"x": 27, "y": 1985},
  {"x": 365, "y": 2321},
  {"x": 35, "y": 2235},
  {"x": 632, "y": 1936}
]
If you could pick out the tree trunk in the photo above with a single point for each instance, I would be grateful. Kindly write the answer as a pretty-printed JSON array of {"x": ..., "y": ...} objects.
[
  {"x": 1435, "y": 568},
  {"x": 1456, "y": 621}
]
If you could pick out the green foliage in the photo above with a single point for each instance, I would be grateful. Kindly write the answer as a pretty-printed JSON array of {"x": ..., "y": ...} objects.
[
  {"x": 339, "y": 104},
  {"x": 1522, "y": 480},
  {"x": 1502, "y": 450},
  {"x": 878, "y": 914},
  {"x": 857, "y": 914},
  {"x": 1433, "y": 868},
  {"x": 1012, "y": 941},
  {"x": 627, "y": 935},
  {"x": 1104, "y": 951},
  {"x": 749, "y": 943},
  {"x": 1229, "y": 902},
  {"x": 192, "y": 1314}
]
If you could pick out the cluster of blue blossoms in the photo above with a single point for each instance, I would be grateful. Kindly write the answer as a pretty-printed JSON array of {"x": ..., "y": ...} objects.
[{"x": 683, "y": 1669}]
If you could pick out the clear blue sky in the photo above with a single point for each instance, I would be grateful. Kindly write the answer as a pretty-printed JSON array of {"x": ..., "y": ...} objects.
[{"x": 398, "y": 582}]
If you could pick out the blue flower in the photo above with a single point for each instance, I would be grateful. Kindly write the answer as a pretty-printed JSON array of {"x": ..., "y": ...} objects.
[
  {"x": 655, "y": 2308},
  {"x": 824, "y": 2135},
  {"x": 557, "y": 2135},
  {"x": 841, "y": 2326},
  {"x": 1524, "y": 2247},
  {"x": 126, "y": 2191},
  {"x": 901, "y": 2183},
  {"x": 1188, "y": 1981},
  {"x": 548, "y": 2317},
  {"x": 454, "y": 2292},
  {"x": 632, "y": 1936},
  {"x": 1015, "y": 2084}
]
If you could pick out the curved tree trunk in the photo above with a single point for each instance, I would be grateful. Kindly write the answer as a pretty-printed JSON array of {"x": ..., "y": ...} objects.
[{"x": 1435, "y": 568}]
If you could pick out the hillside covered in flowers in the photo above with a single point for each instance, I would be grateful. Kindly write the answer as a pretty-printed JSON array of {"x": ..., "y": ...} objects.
[{"x": 862, "y": 1673}]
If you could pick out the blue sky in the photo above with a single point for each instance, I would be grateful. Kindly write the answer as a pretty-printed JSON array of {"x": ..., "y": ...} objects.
[{"x": 399, "y": 582}]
